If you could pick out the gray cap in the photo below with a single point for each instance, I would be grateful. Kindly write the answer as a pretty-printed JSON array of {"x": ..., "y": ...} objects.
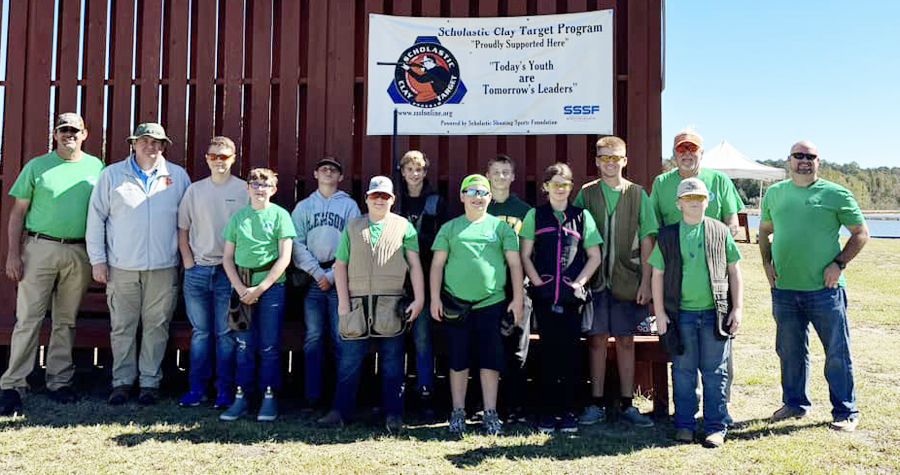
[
  {"x": 692, "y": 186},
  {"x": 69, "y": 119},
  {"x": 380, "y": 184},
  {"x": 149, "y": 129}
]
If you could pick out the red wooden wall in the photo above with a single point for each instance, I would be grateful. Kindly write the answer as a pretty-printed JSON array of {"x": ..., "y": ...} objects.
[{"x": 284, "y": 79}]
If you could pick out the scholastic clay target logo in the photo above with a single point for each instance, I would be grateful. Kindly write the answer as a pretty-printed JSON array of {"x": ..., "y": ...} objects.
[{"x": 426, "y": 75}]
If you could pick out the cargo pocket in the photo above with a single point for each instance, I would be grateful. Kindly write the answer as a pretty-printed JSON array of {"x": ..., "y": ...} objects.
[
  {"x": 353, "y": 325},
  {"x": 388, "y": 319}
]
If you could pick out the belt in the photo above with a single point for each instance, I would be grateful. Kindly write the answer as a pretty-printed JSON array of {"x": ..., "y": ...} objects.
[
  {"x": 327, "y": 264},
  {"x": 56, "y": 239}
]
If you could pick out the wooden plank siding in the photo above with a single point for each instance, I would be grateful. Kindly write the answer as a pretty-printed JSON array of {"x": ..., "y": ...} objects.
[{"x": 285, "y": 79}]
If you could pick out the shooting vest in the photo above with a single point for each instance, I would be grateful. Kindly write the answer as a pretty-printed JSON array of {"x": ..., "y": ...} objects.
[{"x": 379, "y": 269}]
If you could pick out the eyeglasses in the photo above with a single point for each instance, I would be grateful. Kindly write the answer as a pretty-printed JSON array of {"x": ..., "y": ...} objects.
[
  {"x": 218, "y": 156},
  {"x": 610, "y": 158},
  {"x": 693, "y": 197},
  {"x": 68, "y": 130},
  {"x": 555, "y": 185},
  {"x": 472, "y": 193},
  {"x": 379, "y": 195},
  {"x": 256, "y": 185},
  {"x": 327, "y": 169},
  {"x": 802, "y": 156},
  {"x": 687, "y": 147}
]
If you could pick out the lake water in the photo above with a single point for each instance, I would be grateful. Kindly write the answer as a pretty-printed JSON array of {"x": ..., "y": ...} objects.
[{"x": 880, "y": 225}]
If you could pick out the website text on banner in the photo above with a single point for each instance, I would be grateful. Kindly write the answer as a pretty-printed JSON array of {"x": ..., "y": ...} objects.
[{"x": 548, "y": 74}]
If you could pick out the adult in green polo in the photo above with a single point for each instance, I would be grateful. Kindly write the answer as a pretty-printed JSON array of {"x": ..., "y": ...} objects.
[{"x": 47, "y": 258}]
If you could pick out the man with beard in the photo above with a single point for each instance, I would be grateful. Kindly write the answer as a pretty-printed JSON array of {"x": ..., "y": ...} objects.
[{"x": 804, "y": 265}]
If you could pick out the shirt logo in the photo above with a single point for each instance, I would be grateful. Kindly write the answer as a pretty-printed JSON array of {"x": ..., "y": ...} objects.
[{"x": 268, "y": 226}]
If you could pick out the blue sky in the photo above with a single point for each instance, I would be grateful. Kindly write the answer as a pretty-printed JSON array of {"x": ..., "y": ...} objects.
[{"x": 765, "y": 74}]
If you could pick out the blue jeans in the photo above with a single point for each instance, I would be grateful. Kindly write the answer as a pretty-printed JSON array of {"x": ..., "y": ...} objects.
[
  {"x": 321, "y": 324},
  {"x": 705, "y": 352},
  {"x": 206, "y": 295},
  {"x": 421, "y": 334},
  {"x": 390, "y": 366},
  {"x": 826, "y": 309},
  {"x": 264, "y": 339}
]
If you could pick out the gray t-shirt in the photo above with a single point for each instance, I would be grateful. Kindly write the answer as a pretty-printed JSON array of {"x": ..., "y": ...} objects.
[{"x": 205, "y": 211}]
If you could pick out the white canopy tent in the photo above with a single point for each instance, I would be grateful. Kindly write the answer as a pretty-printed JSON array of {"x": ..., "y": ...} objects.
[{"x": 728, "y": 160}]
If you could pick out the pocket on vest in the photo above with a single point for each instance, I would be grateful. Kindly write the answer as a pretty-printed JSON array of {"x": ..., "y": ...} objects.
[
  {"x": 353, "y": 325},
  {"x": 388, "y": 317}
]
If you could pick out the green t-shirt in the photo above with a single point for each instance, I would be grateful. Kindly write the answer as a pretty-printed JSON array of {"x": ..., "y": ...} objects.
[
  {"x": 648, "y": 226},
  {"x": 476, "y": 263},
  {"x": 723, "y": 196},
  {"x": 256, "y": 235},
  {"x": 696, "y": 291},
  {"x": 807, "y": 223},
  {"x": 410, "y": 240},
  {"x": 591, "y": 235},
  {"x": 512, "y": 211},
  {"x": 59, "y": 192}
]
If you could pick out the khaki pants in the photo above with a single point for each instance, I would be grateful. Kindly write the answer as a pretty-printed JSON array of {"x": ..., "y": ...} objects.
[
  {"x": 148, "y": 298},
  {"x": 56, "y": 276}
]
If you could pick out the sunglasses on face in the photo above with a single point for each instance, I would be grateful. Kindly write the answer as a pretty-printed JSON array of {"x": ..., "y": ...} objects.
[
  {"x": 693, "y": 197},
  {"x": 687, "y": 147},
  {"x": 610, "y": 158},
  {"x": 472, "y": 193},
  {"x": 804, "y": 156},
  {"x": 256, "y": 185},
  {"x": 68, "y": 130},
  {"x": 218, "y": 156},
  {"x": 555, "y": 185},
  {"x": 378, "y": 195}
]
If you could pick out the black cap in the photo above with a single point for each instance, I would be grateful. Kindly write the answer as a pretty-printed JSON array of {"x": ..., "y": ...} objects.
[{"x": 330, "y": 161}]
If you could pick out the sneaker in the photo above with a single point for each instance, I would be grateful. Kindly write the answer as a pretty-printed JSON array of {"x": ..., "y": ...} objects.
[
  {"x": 426, "y": 405},
  {"x": 310, "y": 407},
  {"x": 12, "y": 403},
  {"x": 568, "y": 424},
  {"x": 457, "y": 424},
  {"x": 492, "y": 424},
  {"x": 268, "y": 410},
  {"x": 684, "y": 435},
  {"x": 192, "y": 399},
  {"x": 119, "y": 395},
  {"x": 714, "y": 440},
  {"x": 635, "y": 417},
  {"x": 148, "y": 396},
  {"x": 516, "y": 416},
  {"x": 846, "y": 425},
  {"x": 393, "y": 424},
  {"x": 64, "y": 395},
  {"x": 223, "y": 400},
  {"x": 238, "y": 408},
  {"x": 332, "y": 419},
  {"x": 592, "y": 415},
  {"x": 547, "y": 424},
  {"x": 786, "y": 412}
]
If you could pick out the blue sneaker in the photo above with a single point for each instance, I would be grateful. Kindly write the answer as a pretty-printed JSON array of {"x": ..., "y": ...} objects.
[
  {"x": 268, "y": 411},
  {"x": 192, "y": 399},
  {"x": 223, "y": 400},
  {"x": 238, "y": 409}
]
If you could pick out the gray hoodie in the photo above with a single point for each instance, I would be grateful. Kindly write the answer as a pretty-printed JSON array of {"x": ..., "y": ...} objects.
[{"x": 320, "y": 222}]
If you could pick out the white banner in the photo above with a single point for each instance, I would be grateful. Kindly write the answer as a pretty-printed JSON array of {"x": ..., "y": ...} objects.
[{"x": 549, "y": 74}]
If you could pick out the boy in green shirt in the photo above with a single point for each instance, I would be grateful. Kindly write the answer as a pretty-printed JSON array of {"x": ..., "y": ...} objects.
[
  {"x": 258, "y": 239},
  {"x": 698, "y": 299},
  {"x": 471, "y": 255}
]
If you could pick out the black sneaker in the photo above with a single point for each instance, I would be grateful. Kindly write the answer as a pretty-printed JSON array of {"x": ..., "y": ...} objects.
[
  {"x": 12, "y": 402},
  {"x": 547, "y": 424},
  {"x": 64, "y": 395},
  {"x": 516, "y": 416},
  {"x": 148, "y": 396},
  {"x": 568, "y": 423},
  {"x": 119, "y": 395},
  {"x": 426, "y": 405}
]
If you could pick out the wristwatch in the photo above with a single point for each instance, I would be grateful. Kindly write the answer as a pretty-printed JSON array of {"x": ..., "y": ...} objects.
[{"x": 841, "y": 265}]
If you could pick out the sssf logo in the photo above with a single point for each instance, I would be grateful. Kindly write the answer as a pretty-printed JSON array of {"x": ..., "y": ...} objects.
[{"x": 581, "y": 110}]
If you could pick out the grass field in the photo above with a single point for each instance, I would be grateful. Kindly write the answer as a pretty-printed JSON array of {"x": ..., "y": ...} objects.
[{"x": 90, "y": 437}]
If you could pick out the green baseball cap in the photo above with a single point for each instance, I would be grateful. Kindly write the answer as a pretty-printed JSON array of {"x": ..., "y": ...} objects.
[
  {"x": 149, "y": 129},
  {"x": 475, "y": 180}
]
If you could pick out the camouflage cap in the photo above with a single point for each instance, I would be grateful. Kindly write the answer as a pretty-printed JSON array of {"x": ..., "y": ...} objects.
[
  {"x": 69, "y": 119},
  {"x": 692, "y": 186},
  {"x": 149, "y": 129}
]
